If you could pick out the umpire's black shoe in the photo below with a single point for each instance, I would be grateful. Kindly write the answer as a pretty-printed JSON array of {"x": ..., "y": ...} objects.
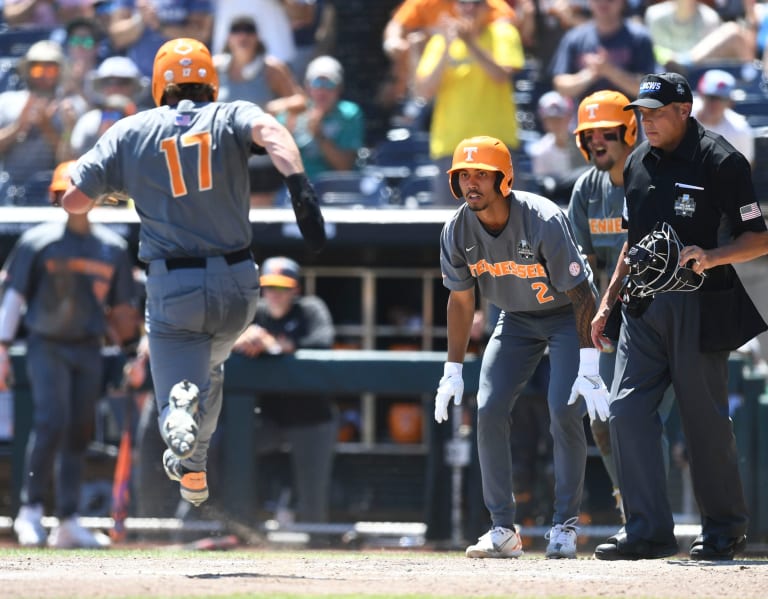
[
  {"x": 620, "y": 547},
  {"x": 716, "y": 548}
]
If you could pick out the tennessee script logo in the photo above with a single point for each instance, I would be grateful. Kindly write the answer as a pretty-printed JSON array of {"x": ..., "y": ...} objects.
[{"x": 507, "y": 268}]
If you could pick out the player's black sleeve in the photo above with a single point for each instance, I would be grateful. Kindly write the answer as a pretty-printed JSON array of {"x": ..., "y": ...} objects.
[{"x": 307, "y": 210}]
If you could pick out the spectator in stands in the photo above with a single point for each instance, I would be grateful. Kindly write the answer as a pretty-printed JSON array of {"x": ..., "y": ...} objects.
[
  {"x": 139, "y": 27},
  {"x": 35, "y": 123},
  {"x": 469, "y": 66},
  {"x": 413, "y": 22},
  {"x": 118, "y": 75},
  {"x": 95, "y": 122},
  {"x": 26, "y": 13},
  {"x": 551, "y": 20},
  {"x": 331, "y": 130},
  {"x": 46, "y": 13},
  {"x": 313, "y": 23},
  {"x": 248, "y": 72},
  {"x": 713, "y": 108},
  {"x": 115, "y": 90},
  {"x": 606, "y": 52},
  {"x": 286, "y": 321},
  {"x": 271, "y": 21},
  {"x": 688, "y": 32},
  {"x": 74, "y": 279},
  {"x": 555, "y": 159},
  {"x": 82, "y": 43}
]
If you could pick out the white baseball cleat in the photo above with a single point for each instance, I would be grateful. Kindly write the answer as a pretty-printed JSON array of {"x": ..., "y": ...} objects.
[
  {"x": 70, "y": 534},
  {"x": 496, "y": 543},
  {"x": 180, "y": 427},
  {"x": 562, "y": 540},
  {"x": 28, "y": 526}
]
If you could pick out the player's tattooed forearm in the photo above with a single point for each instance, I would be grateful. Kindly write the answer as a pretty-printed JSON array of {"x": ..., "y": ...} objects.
[{"x": 584, "y": 308}]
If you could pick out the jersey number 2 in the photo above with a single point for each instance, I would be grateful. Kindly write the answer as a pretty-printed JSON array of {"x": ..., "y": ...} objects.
[
  {"x": 170, "y": 148},
  {"x": 542, "y": 292}
]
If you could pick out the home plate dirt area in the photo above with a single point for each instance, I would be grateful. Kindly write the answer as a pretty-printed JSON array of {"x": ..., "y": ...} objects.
[{"x": 171, "y": 572}]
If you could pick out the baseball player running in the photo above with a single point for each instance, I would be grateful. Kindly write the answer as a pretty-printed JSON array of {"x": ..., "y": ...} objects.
[
  {"x": 518, "y": 248},
  {"x": 184, "y": 164}
]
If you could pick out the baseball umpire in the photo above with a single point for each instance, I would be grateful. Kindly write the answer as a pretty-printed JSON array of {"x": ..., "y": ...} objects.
[
  {"x": 185, "y": 164},
  {"x": 680, "y": 322},
  {"x": 518, "y": 249}
]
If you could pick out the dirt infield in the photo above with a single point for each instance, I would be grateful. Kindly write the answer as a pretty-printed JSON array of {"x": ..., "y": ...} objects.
[{"x": 385, "y": 573}]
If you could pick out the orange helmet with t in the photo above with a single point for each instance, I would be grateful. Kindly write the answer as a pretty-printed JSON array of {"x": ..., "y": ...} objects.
[
  {"x": 484, "y": 153},
  {"x": 602, "y": 109},
  {"x": 60, "y": 179},
  {"x": 183, "y": 60}
]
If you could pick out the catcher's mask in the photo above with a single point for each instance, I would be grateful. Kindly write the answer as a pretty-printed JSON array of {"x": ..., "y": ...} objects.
[{"x": 654, "y": 265}]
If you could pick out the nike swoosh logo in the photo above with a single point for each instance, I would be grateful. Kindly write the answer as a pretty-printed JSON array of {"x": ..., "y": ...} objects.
[
  {"x": 471, "y": 247},
  {"x": 594, "y": 380}
]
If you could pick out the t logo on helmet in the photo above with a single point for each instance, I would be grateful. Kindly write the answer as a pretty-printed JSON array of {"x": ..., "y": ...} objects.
[
  {"x": 591, "y": 111},
  {"x": 469, "y": 153}
]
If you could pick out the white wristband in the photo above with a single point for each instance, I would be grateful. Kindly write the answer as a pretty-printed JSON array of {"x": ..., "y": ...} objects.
[
  {"x": 589, "y": 361},
  {"x": 451, "y": 368}
]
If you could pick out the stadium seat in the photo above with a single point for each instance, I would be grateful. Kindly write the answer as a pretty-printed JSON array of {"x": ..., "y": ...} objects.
[
  {"x": 416, "y": 191},
  {"x": 351, "y": 189},
  {"x": 14, "y": 42},
  {"x": 398, "y": 156}
]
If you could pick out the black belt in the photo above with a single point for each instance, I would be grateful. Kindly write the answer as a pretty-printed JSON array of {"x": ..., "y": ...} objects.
[{"x": 189, "y": 262}]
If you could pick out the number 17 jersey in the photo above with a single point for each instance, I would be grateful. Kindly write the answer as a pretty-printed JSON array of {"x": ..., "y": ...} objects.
[{"x": 186, "y": 168}]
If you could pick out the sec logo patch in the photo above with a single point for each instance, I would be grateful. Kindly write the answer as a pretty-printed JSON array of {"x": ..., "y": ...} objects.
[{"x": 574, "y": 268}]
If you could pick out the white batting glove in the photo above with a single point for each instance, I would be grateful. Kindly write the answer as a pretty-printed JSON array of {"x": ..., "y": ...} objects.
[
  {"x": 451, "y": 385},
  {"x": 590, "y": 386}
]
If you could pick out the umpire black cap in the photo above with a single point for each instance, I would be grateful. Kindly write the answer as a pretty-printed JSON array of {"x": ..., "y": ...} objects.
[{"x": 661, "y": 89}]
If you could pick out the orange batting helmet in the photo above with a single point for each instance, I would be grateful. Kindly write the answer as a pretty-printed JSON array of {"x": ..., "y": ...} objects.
[
  {"x": 183, "y": 60},
  {"x": 485, "y": 153},
  {"x": 60, "y": 179},
  {"x": 605, "y": 109}
]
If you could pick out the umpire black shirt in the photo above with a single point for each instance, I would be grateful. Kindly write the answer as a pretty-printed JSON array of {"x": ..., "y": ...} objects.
[{"x": 702, "y": 184}]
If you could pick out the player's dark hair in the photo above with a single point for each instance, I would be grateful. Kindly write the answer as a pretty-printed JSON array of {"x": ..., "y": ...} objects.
[{"x": 197, "y": 92}]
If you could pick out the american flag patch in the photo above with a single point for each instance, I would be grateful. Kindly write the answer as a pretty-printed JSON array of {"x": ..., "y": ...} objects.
[
  {"x": 750, "y": 211},
  {"x": 183, "y": 119}
]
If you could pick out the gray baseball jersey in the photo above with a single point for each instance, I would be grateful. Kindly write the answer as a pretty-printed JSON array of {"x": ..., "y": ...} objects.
[
  {"x": 186, "y": 169},
  {"x": 68, "y": 279},
  {"x": 595, "y": 213},
  {"x": 526, "y": 268}
]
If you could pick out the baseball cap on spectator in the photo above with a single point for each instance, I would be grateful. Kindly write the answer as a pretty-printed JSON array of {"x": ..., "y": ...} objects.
[
  {"x": 718, "y": 83},
  {"x": 661, "y": 89},
  {"x": 553, "y": 104},
  {"x": 279, "y": 272},
  {"x": 325, "y": 67},
  {"x": 118, "y": 71},
  {"x": 118, "y": 66}
]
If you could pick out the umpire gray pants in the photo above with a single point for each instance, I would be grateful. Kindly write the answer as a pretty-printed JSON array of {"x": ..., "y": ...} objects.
[
  {"x": 510, "y": 358},
  {"x": 656, "y": 349},
  {"x": 193, "y": 318}
]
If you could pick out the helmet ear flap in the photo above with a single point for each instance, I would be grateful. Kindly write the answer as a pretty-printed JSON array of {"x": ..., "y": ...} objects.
[
  {"x": 582, "y": 145},
  {"x": 499, "y": 181},
  {"x": 455, "y": 187}
]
